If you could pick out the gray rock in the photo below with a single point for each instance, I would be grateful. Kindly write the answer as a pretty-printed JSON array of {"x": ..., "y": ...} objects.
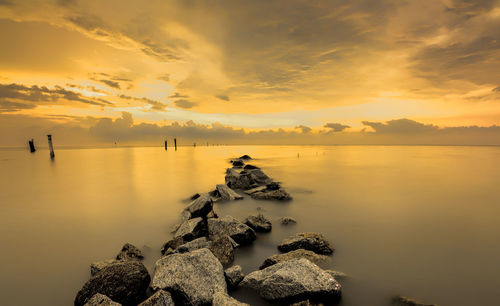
[
  {"x": 292, "y": 281},
  {"x": 124, "y": 282},
  {"x": 223, "y": 249},
  {"x": 287, "y": 220},
  {"x": 192, "y": 278},
  {"x": 239, "y": 180},
  {"x": 192, "y": 229},
  {"x": 234, "y": 276},
  {"x": 201, "y": 206},
  {"x": 295, "y": 254},
  {"x": 258, "y": 176},
  {"x": 130, "y": 252},
  {"x": 270, "y": 194},
  {"x": 256, "y": 189},
  {"x": 308, "y": 241},
  {"x": 228, "y": 225},
  {"x": 160, "y": 298},
  {"x": 99, "y": 265},
  {"x": 223, "y": 299},
  {"x": 227, "y": 194},
  {"x": 258, "y": 223},
  {"x": 172, "y": 244},
  {"x": 101, "y": 300},
  {"x": 196, "y": 244},
  {"x": 404, "y": 301},
  {"x": 336, "y": 274}
]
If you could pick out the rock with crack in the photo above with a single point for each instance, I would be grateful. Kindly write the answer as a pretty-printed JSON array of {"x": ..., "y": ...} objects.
[
  {"x": 258, "y": 223},
  {"x": 160, "y": 298},
  {"x": 172, "y": 245},
  {"x": 272, "y": 191},
  {"x": 192, "y": 278},
  {"x": 196, "y": 244},
  {"x": 238, "y": 180},
  {"x": 223, "y": 249},
  {"x": 294, "y": 280},
  {"x": 101, "y": 300},
  {"x": 200, "y": 207},
  {"x": 124, "y": 282},
  {"x": 228, "y": 225},
  {"x": 130, "y": 252},
  {"x": 192, "y": 229},
  {"x": 227, "y": 194},
  {"x": 97, "y": 266},
  {"x": 223, "y": 299},
  {"x": 405, "y": 301},
  {"x": 295, "y": 254},
  {"x": 308, "y": 241},
  {"x": 234, "y": 275}
]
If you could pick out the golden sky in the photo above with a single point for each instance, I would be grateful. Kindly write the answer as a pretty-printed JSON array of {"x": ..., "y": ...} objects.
[{"x": 330, "y": 71}]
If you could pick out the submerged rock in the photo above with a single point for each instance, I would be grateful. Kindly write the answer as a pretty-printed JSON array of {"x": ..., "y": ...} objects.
[
  {"x": 258, "y": 223},
  {"x": 192, "y": 229},
  {"x": 234, "y": 276},
  {"x": 228, "y": 225},
  {"x": 250, "y": 167},
  {"x": 192, "y": 278},
  {"x": 200, "y": 207},
  {"x": 172, "y": 244},
  {"x": 245, "y": 157},
  {"x": 160, "y": 298},
  {"x": 124, "y": 282},
  {"x": 223, "y": 299},
  {"x": 130, "y": 252},
  {"x": 195, "y": 244},
  {"x": 101, "y": 300},
  {"x": 97, "y": 266},
  {"x": 292, "y": 281},
  {"x": 287, "y": 220},
  {"x": 404, "y": 301},
  {"x": 309, "y": 241},
  {"x": 227, "y": 194},
  {"x": 295, "y": 254},
  {"x": 222, "y": 248},
  {"x": 237, "y": 163},
  {"x": 270, "y": 194}
]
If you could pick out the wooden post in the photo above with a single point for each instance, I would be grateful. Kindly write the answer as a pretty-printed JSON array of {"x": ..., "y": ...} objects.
[
  {"x": 194, "y": 144},
  {"x": 165, "y": 145},
  {"x": 175, "y": 143},
  {"x": 32, "y": 146},
  {"x": 51, "y": 148}
]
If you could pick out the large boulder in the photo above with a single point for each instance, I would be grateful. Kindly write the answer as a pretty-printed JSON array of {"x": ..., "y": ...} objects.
[
  {"x": 309, "y": 241},
  {"x": 192, "y": 278},
  {"x": 160, "y": 298},
  {"x": 200, "y": 207},
  {"x": 271, "y": 191},
  {"x": 196, "y": 244},
  {"x": 239, "y": 180},
  {"x": 97, "y": 266},
  {"x": 258, "y": 223},
  {"x": 234, "y": 276},
  {"x": 228, "y": 225},
  {"x": 258, "y": 176},
  {"x": 223, "y": 299},
  {"x": 172, "y": 245},
  {"x": 130, "y": 252},
  {"x": 101, "y": 300},
  {"x": 295, "y": 254},
  {"x": 192, "y": 229},
  {"x": 245, "y": 157},
  {"x": 250, "y": 167},
  {"x": 292, "y": 281},
  {"x": 223, "y": 249},
  {"x": 124, "y": 282},
  {"x": 227, "y": 194},
  {"x": 238, "y": 163}
]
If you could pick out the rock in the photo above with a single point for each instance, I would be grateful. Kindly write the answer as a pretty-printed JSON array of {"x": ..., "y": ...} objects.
[
  {"x": 273, "y": 186},
  {"x": 295, "y": 254},
  {"x": 256, "y": 189},
  {"x": 250, "y": 167},
  {"x": 201, "y": 206},
  {"x": 287, "y": 220},
  {"x": 258, "y": 176},
  {"x": 222, "y": 248},
  {"x": 404, "y": 301},
  {"x": 306, "y": 303},
  {"x": 130, "y": 252},
  {"x": 308, "y": 241},
  {"x": 234, "y": 276},
  {"x": 258, "y": 223},
  {"x": 99, "y": 265},
  {"x": 268, "y": 194},
  {"x": 238, "y": 180},
  {"x": 222, "y": 299},
  {"x": 336, "y": 274},
  {"x": 192, "y": 229},
  {"x": 238, "y": 163},
  {"x": 294, "y": 280},
  {"x": 101, "y": 300},
  {"x": 194, "y": 197},
  {"x": 192, "y": 278},
  {"x": 228, "y": 225},
  {"x": 124, "y": 282},
  {"x": 227, "y": 194},
  {"x": 172, "y": 244},
  {"x": 245, "y": 157},
  {"x": 160, "y": 298},
  {"x": 195, "y": 244}
]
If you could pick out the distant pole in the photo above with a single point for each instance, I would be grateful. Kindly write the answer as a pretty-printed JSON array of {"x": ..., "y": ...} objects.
[
  {"x": 194, "y": 144},
  {"x": 51, "y": 148},
  {"x": 207, "y": 143},
  {"x": 165, "y": 145},
  {"x": 175, "y": 143},
  {"x": 32, "y": 146}
]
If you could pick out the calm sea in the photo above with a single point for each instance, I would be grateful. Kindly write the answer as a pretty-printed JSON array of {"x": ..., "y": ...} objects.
[{"x": 412, "y": 220}]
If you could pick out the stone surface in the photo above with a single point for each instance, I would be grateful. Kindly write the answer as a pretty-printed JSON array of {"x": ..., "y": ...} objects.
[
  {"x": 227, "y": 194},
  {"x": 258, "y": 176},
  {"x": 269, "y": 194},
  {"x": 101, "y": 300},
  {"x": 201, "y": 206},
  {"x": 238, "y": 163},
  {"x": 234, "y": 275},
  {"x": 238, "y": 180},
  {"x": 336, "y": 274},
  {"x": 245, "y": 157},
  {"x": 223, "y": 249},
  {"x": 228, "y": 225},
  {"x": 130, "y": 252},
  {"x": 306, "y": 303},
  {"x": 172, "y": 244},
  {"x": 99, "y": 265},
  {"x": 250, "y": 167},
  {"x": 192, "y": 278},
  {"x": 256, "y": 189},
  {"x": 195, "y": 244},
  {"x": 295, "y": 254},
  {"x": 160, "y": 298},
  {"x": 124, "y": 282},
  {"x": 287, "y": 220},
  {"x": 258, "y": 223},
  {"x": 405, "y": 301},
  {"x": 192, "y": 229},
  {"x": 223, "y": 299},
  {"x": 308, "y": 241},
  {"x": 292, "y": 281}
]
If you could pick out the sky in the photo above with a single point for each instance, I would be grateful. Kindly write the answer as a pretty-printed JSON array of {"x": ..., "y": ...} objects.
[{"x": 96, "y": 72}]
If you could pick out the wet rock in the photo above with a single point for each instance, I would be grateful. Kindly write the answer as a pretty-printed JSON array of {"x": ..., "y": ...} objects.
[
  {"x": 258, "y": 223},
  {"x": 234, "y": 276},
  {"x": 99, "y": 265},
  {"x": 192, "y": 278},
  {"x": 292, "y": 281},
  {"x": 287, "y": 220},
  {"x": 228, "y": 225},
  {"x": 101, "y": 300},
  {"x": 130, "y": 252},
  {"x": 404, "y": 301},
  {"x": 245, "y": 157},
  {"x": 237, "y": 163},
  {"x": 258, "y": 176},
  {"x": 306, "y": 303},
  {"x": 124, "y": 282},
  {"x": 222, "y": 248},
  {"x": 336, "y": 274},
  {"x": 192, "y": 229},
  {"x": 201, "y": 206},
  {"x": 195, "y": 244},
  {"x": 227, "y": 194},
  {"x": 172, "y": 244},
  {"x": 238, "y": 180},
  {"x": 223, "y": 299},
  {"x": 194, "y": 196},
  {"x": 160, "y": 298},
  {"x": 308, "y": 241},
  {"x": 268, "y": 194},
  {"x": 295, "y": 254},
  {"x": 256, "y": 189},
  {"x": 273, "y": 186},
  {"x": 250, "y": 167}
]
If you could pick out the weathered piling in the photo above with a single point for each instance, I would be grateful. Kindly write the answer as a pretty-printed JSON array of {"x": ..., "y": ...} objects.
[
  {"x": 194, "y": 144},
  {"x": 32, "y": 146},
  {"x": 51, "y": 148},
  {"x": 175, "y": 143},
  {"x": 165, "y": 145}
]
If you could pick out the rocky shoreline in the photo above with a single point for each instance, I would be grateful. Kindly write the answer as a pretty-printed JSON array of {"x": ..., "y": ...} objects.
[{"x": 195, "y": 267}]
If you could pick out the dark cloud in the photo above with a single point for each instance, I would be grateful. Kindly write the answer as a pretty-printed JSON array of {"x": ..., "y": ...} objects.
[
  {"x": 155, "y": 105},
  {"x": 304, "y": 129},
  {"x": 93, "y": 89},
  {"x": 223, "y": 97},
  {"x": 336, "y": 127},
  {"x": 496, "y": 89},
  {"x": 74, "y": 86},
  {"x": 183, "y": 103},
  {"x": 110, "y": 83},
  {"x": 401, "y": 126},
  {"x": 178, "y": 95},
  {"x": 161, "y": 52}
]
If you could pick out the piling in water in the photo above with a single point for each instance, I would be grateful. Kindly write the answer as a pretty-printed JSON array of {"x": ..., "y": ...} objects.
[
  {"x": 165, "y": 145},
  {"x": 175, "y": 143},
  {"x": 51, "y": 148},
  {"x": 32, "y": 146}
]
